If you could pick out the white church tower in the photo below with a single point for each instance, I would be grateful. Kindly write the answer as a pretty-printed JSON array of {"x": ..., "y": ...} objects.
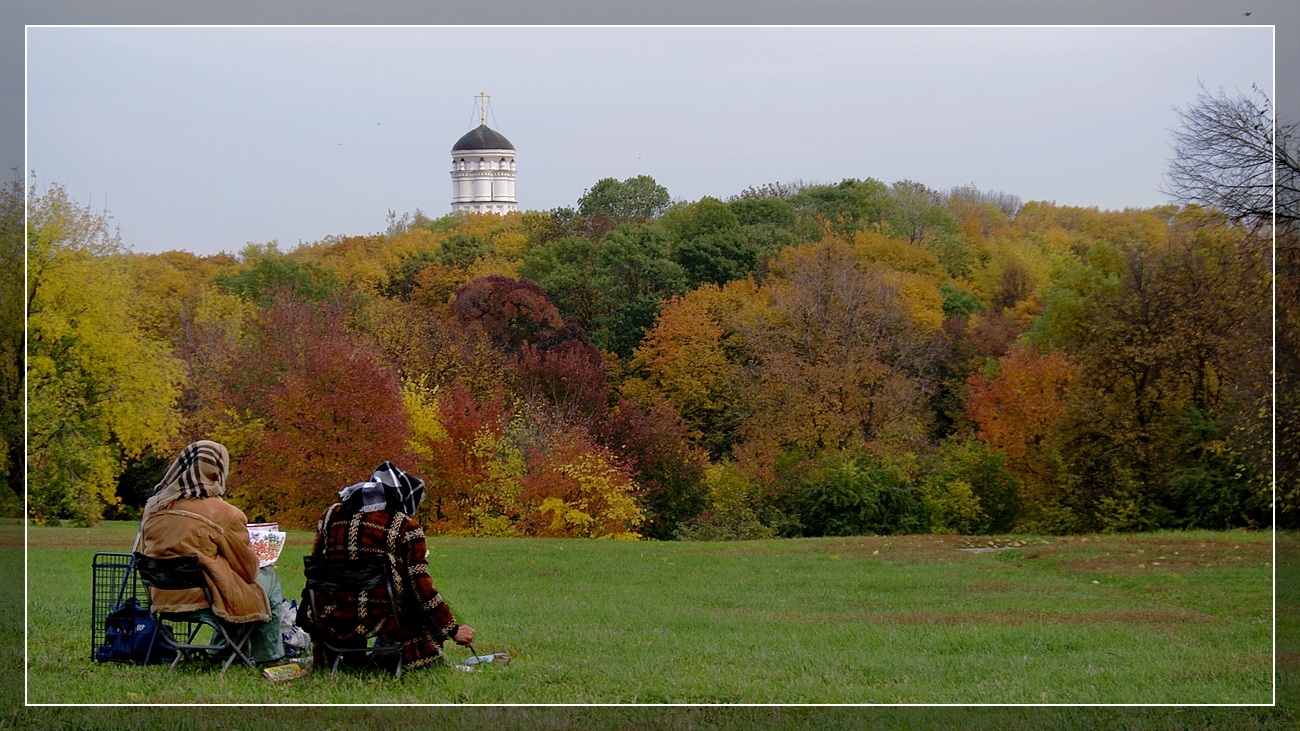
[{"x": 483, "y": 169}]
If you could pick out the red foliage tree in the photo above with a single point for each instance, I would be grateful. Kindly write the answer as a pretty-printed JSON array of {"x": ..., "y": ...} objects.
[
  {"x": 570, "y": 378},
  {"x": 464, "y": 481},
  {"x": 1019, "y": 413},
  {"x": 994, "y": 333},
  {"x": 655, "y": 446},
  {"x": 1017, "y": 409},
  {"x": 510, "y": 311},
  {"x": 322, "y": 408}
]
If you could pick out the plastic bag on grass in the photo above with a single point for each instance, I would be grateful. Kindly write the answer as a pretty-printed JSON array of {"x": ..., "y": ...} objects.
[{"x": 296, "y": 640}]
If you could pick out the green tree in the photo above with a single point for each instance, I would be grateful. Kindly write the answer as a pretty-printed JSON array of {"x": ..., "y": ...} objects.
[
  {"x": 99, "y": 390},
  {"x": 767, "y": 223},
  {"x": 635, "y": 199},
  {"x": 611, "y": 288},
  {"x": 983, "y": 473},
  {"x": 710, "y": 246},
  {"x": 565, "y": 269},
  {"x": 851, "y": 206},
  {"x": 462, "y": 249},
  {"x": 957, "y": 302},
  {"x": 854, "y": 493},
  {"x": 916, "y": 212},
  {"x": 633, "y": 275},
  {"x": 266, "y": 271},
  {"x": 763, "y": 211}
]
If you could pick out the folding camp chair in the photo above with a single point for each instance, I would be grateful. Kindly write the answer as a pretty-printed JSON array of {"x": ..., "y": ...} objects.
[
  {"x": 186, "y": 573},
  {"x": 365, "y": 574}
]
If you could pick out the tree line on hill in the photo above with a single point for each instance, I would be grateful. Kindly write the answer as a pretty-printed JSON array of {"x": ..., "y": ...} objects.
[{"x": 798, "y": 360}]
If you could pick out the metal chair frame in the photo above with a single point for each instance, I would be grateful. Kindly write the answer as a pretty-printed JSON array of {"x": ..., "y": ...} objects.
[
  {"x": 185, "y": 573},
  {"x": 366, "y": 573}
]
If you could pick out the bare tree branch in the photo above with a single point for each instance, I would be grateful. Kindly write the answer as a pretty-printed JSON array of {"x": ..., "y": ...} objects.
[{"x": 1224, "y": 158}]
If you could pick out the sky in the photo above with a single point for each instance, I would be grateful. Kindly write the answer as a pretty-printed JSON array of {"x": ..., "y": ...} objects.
[{"x": 209, "y": 138}]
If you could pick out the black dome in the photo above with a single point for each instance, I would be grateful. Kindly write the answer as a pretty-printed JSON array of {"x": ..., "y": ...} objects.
[{"x": 482, "y": 138}]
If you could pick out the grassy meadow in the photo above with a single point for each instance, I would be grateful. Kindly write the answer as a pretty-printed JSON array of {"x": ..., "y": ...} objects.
[{"x": 1164, "y": 618}]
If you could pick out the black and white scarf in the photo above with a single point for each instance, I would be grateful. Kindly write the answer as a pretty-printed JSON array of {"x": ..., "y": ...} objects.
[{"x": 389, "y": 488}]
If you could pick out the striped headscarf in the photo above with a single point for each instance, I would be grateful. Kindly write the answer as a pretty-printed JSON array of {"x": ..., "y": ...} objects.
[
  {"x": 198, "y": 471},
  {"x": 389, "y": 488}
]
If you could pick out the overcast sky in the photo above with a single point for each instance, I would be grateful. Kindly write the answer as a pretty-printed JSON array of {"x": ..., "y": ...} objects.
[{"x": 206, "y": 139}]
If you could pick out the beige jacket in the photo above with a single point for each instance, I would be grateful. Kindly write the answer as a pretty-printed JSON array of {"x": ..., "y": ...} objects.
[{"x": 216, "y": 532}]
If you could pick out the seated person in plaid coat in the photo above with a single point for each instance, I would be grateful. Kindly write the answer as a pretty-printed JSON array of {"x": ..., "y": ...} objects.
[{"x": 378, "y": 517}]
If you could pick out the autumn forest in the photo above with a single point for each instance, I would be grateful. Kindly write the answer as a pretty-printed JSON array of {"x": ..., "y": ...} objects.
[{"x": 802, "y": 359}]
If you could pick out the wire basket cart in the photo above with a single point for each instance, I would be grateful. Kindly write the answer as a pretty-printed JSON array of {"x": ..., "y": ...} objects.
[{"x": 113, "y": 581}]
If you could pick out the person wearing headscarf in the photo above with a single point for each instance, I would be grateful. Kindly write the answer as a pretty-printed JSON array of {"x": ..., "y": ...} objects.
[
  {"x": 187, "y": 516},
  {"x": 378, "y": 517}
]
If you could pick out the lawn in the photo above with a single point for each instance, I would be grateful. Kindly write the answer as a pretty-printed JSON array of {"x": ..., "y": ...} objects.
[{"x": 1163, "y": 618}]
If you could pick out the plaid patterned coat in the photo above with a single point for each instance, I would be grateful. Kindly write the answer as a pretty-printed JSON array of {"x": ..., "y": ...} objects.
[{"x": 351, "y": 617}]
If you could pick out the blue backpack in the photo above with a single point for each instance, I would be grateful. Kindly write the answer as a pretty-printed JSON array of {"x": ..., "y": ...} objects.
[{"x": 131, "y": 634}]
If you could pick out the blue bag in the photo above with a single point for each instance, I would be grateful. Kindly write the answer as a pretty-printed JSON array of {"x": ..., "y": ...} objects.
[{"x": 131, "y": 634}]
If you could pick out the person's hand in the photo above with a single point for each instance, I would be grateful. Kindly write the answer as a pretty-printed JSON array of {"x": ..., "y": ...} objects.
[{"x": 464, "y": 635}]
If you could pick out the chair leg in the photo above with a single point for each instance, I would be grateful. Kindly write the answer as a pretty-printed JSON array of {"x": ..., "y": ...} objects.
[
  {"x": 365, "y": 652},
  {"x": 230, "y": 660},
  {"x": 237, "y": 648},
  {"x": 238, "y": 645},
  {"x": 194, "y": 628}
]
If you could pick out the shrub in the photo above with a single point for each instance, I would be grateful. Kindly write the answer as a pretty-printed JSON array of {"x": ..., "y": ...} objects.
[
  {"x": 953, "y": 507},
  {"x": 730, "y": 513},
  {"x": 858, "y": 495},
  {"x": 982, "y": 472},
  {"x": 575, "y": 489}
]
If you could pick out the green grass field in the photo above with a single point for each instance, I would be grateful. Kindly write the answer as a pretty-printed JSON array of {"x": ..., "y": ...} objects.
[{"x": 1168, "y": 618}]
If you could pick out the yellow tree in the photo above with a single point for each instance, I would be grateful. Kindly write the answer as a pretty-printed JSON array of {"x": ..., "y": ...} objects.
[
  {"x": 683, "y": 358},
  {"x": 99, "y": 389},
  {"x": 354, "y": 260},
  {"x": 174, "y": 301},
  {"x": 913, "y": 271},
  {"x": 168, "y": 288}
]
